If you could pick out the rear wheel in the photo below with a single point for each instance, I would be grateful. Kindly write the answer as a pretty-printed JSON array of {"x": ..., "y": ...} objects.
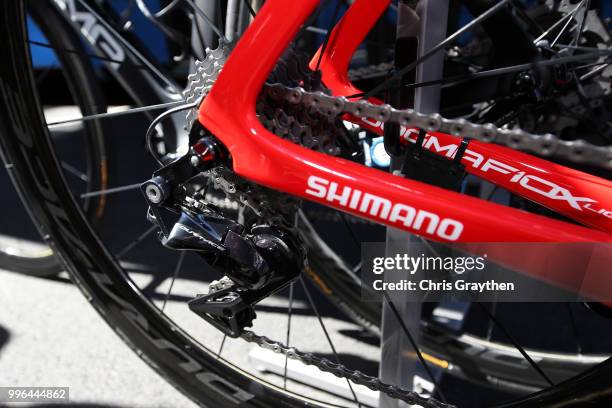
[
  {"x": 29, "y": 153},
  {"x": 82, "y": 150}
]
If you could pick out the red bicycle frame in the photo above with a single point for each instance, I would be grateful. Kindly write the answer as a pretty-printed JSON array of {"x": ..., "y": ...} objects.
[{"x": 434, "y": 213}]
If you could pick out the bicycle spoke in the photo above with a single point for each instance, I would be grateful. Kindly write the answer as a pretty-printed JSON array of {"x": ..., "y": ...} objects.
[
  {"x": 203, "y": 15},
  {"x": 574, "y": 327},
  {"x": 131, "y": 48},
  {"x": 167, "y": 9},
  {"x": 317, "y": 30},
  {"x": 331, "y": 344},
  {"x": 456, "y": 80},
  {"x": 221, "y": 346},
  {"x": 530, "y": 20},
  {"x": 516, "y": 344},
  {"x": 558, "y": 37},
  {"x": 328, "y": 35},
  {"x": 576, "y": 47},
  {"x": 83, "y": 54},
  {"x": 567, "y": 23},
  {"x": 491, "y": 325},
  {"x": 595, "y": 71},
  {"x": 249, "y": 8},
  {"x": 346, "y": 223},
  {"x": 581, "y": 25},
  {"x": 177, "y": 269},
  {"x": 491, "y": 193},
  {"x": 558, "y": 23},
  {"x": 74, "y": 171},
  {"x": 111, "y": 190},
  {"x": 137, "y": 241},
  {"x": 459, "y": 79},
  {"x": 115, "y": 114},
  {"x": 412, "y": 341},
  {"x": 399, "y": 74},
  {"x": 521, "y": 67},
  {"x": 494, "y": 304},
  {"x": 287, "y": 337},
  {"x": 599, "y": 65},
  {"x": 171, "y": 33}
]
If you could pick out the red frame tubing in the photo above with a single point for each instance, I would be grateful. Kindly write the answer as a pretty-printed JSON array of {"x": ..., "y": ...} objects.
[
  {"x": 264, "y": 158},
  {"x": 577, "y": 195}
]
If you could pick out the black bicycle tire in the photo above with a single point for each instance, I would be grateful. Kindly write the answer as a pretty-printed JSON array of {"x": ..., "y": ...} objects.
[
  {"x": 89, "y": 96},
  {"x": 27, "y": 149},
  {"x": 28, "y": 152}
]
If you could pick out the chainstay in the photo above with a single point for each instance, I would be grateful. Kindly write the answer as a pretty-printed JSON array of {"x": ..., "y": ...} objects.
[
  {"x": 548, "y": 145},
  {"x": 340, "y": 370}
]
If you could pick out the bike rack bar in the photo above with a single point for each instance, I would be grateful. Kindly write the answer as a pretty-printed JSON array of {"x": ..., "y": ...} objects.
[{"x": 427, "y": 21}]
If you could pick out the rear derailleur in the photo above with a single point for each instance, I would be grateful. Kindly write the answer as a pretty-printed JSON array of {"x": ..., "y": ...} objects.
[{"x": 258, "y": 260}]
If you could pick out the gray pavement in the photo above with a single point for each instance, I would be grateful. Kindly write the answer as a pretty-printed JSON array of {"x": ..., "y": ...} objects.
[{"x": 55, "y": 338}]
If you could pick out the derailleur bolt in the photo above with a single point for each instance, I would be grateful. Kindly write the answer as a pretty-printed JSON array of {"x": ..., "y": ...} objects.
[
  {"x": 156, "y": 190},
  {"x": 206, "y": 153}
]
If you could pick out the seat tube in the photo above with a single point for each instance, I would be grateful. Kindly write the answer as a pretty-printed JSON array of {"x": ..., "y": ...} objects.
[{"x": 256, "y": 53}]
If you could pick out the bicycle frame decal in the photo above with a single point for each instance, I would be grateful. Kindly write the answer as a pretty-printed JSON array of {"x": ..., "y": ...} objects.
[
  {"x": 578, "y": 195},
  {"x": 258, "y": 155},
  {"x": 94, "y": 32},
  {"x": 382, "y": 208}
]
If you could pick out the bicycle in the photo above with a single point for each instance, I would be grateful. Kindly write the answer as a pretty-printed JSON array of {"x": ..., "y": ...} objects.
[{"x": 99, "y": 275}]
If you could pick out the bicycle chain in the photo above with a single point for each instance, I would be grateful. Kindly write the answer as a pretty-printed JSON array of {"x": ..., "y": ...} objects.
[
  {"x": 548, "y": 145},
  {"x": 340, "y": 370},
  {"x": 300, "y": 124}
]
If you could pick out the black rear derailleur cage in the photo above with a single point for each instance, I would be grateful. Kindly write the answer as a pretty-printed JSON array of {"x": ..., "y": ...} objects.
[{"x": 258, "y": 262}]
